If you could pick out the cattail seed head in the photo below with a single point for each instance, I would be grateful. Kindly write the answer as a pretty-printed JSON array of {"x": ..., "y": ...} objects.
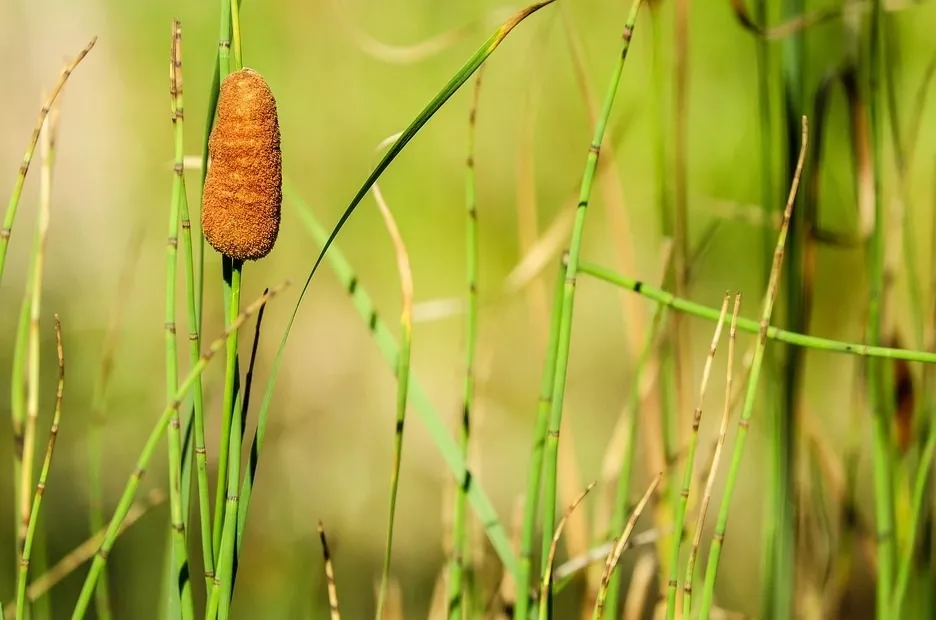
[{"x": 243, "y": 187}]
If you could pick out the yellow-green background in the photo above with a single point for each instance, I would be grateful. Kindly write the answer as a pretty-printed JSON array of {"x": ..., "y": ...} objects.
[{"x": 329, "y": 447}]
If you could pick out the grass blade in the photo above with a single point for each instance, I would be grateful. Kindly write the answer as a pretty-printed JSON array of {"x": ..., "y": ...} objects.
[
  {"x": 456, "y": 464},
  {"x": 329, "y": 575}
]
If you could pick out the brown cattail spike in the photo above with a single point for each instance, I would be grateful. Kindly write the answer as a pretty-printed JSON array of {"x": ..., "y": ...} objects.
[{"x": 243, "y": 187}]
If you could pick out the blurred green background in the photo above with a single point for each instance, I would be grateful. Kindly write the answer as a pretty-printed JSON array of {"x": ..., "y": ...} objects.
[{"x": 329, "y": 447}]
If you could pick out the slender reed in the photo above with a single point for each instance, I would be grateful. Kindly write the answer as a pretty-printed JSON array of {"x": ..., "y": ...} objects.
[
  {"x": 745, "y": 421},
  {"x": 565, "y": 323},
  {"x": 546, "y": 606},
  {"x": 33, "y": 300},
  {"x": 535, "y": 471},
  {"x": 402, "y": 373},
  {"x": 680, "y": 518},
  {"x": 329, "y": 575},
  {"x": 12, "y": 206},
  {"x": 619, "y": 546},
  {"x": 877, "y": 398},
  {"x": 21, "y": 605},
  {"x": 180, "y": 571},
  {"x": 149, "y": 448},
  {"x": 479, "y": 501},
  {"x": 716, "y": 461},
  {"x": 456, "y": 588}
]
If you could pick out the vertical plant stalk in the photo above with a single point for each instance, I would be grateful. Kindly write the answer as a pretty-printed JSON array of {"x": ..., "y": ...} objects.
[
  {"x": 883, "y": 491},
  {"x": 228, "y": 482},
  {"x": 751, "y": 396},
  {"x": 21, "y": 604},
  {"x": 546, "y": 606},
  {"x": 126, "y": 500},
  {"x": 619, "y": 546},
  {"x": 456, "y": 586},
  {"x": 34, "y": 296},
  {"x": 565, "y": 324},
  {"x": 780, "y": 526},
  {"x": 535, "y": 472},
  {"x": 402, "y": 374},
  {"x": 716, "y": 461},
  {"x": 198, "y": 410},
  {"x": 334, "y": 614},
  {"x": 12, "y": 206},
  {"x": 180, "y": 571},
  {"x": 680, "y": 518}
]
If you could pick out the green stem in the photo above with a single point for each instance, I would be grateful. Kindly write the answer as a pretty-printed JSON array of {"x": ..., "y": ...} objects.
[
  {"x": 456, "y": 587},
  {"x": 877, "y": 398},
  {"x": 565, "y": 323},
  {"x": 535, "y": 473},
  {"x": 179, "y": 553},
  {"x": 751, "y": 326}
]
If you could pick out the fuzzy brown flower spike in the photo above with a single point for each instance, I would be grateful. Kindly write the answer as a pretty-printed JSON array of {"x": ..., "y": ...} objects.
[{"x": 243, "y": 187}]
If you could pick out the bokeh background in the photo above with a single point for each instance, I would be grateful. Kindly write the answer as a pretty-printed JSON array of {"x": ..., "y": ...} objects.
[{"x": 329, "y": 448}]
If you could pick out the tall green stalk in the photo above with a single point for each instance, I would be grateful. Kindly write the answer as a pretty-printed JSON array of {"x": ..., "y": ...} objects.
[
  {"x": 535, "y": 472},
  {"x": 180, "y": 571},
  {"x": 565, "y": 323},
  {"x": 877, "y": 397},
  {"x": 781, "y": 526},
  {"x": 456, "y": 587}
]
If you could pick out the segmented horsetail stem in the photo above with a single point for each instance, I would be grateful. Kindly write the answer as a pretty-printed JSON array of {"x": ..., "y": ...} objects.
[
  {"x": 716, "y": 461},
  {"x": 179, "y": 554},
  {"x": 690, "y": 466},
  {"x": 619, "y": 547},
  {"x": 124, "y": 505},
  {"x": 12, "y": 206},
  {"x": 243, "y": 188},
  {"x": 456, "y": 586},
  {"x": 571, "y": 273},
  {"x": 33, "y": 300},
  {"x": 21, "y": 606},
  {"x": 329, "y": 575},
  {"x": 545, "y": 610},
  {"x": 744, "y": 423}
]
